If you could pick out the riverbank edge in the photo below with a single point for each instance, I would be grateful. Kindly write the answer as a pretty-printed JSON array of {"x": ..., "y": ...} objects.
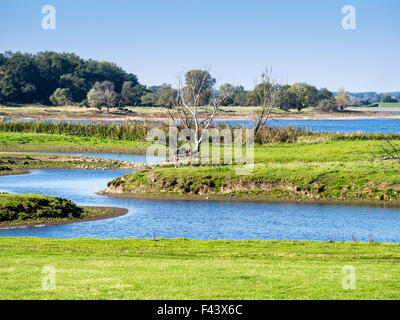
[
  {"x": 349, "y": 115},
  {"x": 244, "y": 199},
  {"x": 37, "y": 161},
  {"x": 115, "y": 213},
  {"x": 74, "y": 149}
]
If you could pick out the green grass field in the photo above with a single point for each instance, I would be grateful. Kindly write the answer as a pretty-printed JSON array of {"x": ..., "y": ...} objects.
[
  {"x": 316, "y": 167},
  {"x": 184, "y": 269},
  {"x": 394, "y": 105}
]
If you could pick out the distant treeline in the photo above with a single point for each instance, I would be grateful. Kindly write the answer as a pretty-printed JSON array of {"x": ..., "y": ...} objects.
[
  {"x": 27, "y": 78},
  {"x": 368, "y": 98},
  {"x": 66, "y": 79}
]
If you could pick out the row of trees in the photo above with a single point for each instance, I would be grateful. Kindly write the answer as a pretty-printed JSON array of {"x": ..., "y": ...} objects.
[
  {"x": 65, "y": 79},
  {"x": 286, "y": 97},
  {"x": 198, "y": 89},
  {"x": 385, "y": 98}
]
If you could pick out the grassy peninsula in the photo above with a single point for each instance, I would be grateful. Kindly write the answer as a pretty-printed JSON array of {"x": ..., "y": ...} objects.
[
  {"x": 336, "y": 168},
  {"x": 29, "y": 209}
]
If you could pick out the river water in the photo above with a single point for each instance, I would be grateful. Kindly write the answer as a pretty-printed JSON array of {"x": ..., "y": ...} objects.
[{"x": 195, "y": 219}]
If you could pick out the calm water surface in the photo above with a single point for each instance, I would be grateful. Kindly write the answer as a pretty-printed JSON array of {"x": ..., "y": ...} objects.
[
  {"x": 328, "y": 125},
  {"x": 197, "y": 220}
]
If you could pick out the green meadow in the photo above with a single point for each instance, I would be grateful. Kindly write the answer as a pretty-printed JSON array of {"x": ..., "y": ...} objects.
[
  {"x": 301, "y": 166},
  {"x": 185, "y": 269}
]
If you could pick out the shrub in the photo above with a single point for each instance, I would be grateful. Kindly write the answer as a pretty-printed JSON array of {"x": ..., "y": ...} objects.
[
  {"x": 328, "y": 105},
  {"x": 23, "y": 207},
  {"x": 61, "y": 97}
]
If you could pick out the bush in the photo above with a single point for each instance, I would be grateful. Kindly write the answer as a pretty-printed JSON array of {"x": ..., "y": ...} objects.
[
  {"x": 24, "y": 207},
  {"x": 61, "y": 97},
  {"x": 328, "y": 105}
]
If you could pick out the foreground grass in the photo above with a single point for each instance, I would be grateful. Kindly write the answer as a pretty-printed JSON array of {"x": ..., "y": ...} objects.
[{"x": 184, "y": 269}]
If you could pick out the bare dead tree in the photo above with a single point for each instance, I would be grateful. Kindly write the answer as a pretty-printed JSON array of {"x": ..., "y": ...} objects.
[
  {"x": 186, "y": 110},
  {"x": 390, "y": 152},
  {"x": 265, "y": 93}
]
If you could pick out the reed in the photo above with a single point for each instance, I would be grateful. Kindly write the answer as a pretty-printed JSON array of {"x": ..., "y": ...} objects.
[{"x": 137, "y": 131}]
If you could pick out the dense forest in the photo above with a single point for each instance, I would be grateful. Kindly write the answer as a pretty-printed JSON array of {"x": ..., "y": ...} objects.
[{"x": 51, "y": 77}]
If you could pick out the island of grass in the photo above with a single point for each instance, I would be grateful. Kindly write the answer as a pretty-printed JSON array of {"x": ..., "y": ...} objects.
[
  {"x": 17, "y": 210},
  {"x": 289, "y": 163},
  {"x": 331, "y": 168}
]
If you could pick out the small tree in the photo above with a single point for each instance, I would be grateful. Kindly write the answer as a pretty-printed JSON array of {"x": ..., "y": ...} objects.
[
  {"x": 342, "y": 99},
  {"x": 61, "y": 97},
  {"x": 166, "y": 96},
  {"x": 327, "y": 105},
  {"x": 264, "y": 96},
  {"x": 149, "y": 99},
  {"x": 197, "y": 91},
  {"x": 199, "y": 86},
  {"x": 102, "y": 94},
  {"x": 306, "y": 95},
  {"x": 285, "y": 99},
  {"x": 131, "y": 93}
]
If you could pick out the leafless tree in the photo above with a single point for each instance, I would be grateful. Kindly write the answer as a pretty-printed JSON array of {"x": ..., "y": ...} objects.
[
  {"x": 185, "y": 112},
  {"x": 265, "y": 94},
  {"x": 390, "y": 152}
]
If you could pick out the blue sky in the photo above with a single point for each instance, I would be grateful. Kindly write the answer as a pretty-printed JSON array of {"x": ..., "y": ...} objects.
[{"x": 159, "y": 39}]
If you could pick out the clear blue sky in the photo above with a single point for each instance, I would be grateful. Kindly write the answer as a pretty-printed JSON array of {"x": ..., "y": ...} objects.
[{"x": 159, "y": 39}]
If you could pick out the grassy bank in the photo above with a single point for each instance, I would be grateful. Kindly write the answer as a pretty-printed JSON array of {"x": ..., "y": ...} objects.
[
  {"x": 183, "y": 269},
  {"x": 289, "y": 164},
  {"x": 28, "y": 209},
  {"x": 336, "y": 170},
  {"x": 130, "y": 137}
]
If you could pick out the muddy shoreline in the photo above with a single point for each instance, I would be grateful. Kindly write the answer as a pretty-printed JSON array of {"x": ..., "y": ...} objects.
[
  {"x": 349, "y": 115},
  {"x": 169, "y": 197}
]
